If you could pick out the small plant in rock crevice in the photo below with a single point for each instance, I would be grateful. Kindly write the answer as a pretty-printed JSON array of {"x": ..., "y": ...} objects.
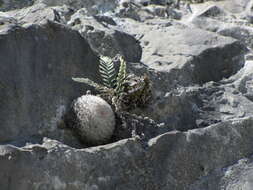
[{"x": 124, "y": 92}]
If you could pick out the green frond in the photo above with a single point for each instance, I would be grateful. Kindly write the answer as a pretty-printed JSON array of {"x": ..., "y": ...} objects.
[
  {"x": 107, "y": 71},
  {"x": 90, "y": 83},
  {"x": 121, "y": 78},
  {"x": 122, "y": 91}
]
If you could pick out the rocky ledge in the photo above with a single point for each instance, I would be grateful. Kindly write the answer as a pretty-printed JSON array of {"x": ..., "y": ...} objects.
[{"x": 196, "y": 132}]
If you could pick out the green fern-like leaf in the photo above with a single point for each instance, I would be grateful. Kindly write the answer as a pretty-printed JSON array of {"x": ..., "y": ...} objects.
[
  {"x": 121, "y": 78},
  {"x": 89, "y": 82},
  {"x": 107, "y": 72}
]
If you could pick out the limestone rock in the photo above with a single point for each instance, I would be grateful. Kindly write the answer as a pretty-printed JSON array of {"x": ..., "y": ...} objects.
[
  {"x": 170, "y": 161},
  {"x": 182, "y": 52},
  {"x": 249, "y": 12},
  {"x": 242, "y": 33},
  {"x": 212, "y": 11},
  {"x": 6, "y": 5},
  {"x": 243, "y": 80},
  {"x": 236, "y": 6},
  {"x": 182, "y": 56},
  {"x": 36, "y": 14},
  {"x": 195, "y": 133},
  {"x": 104, "y": 38},
  {"x": 236, "y": 176},
  {"x": 37, "y": 67},
  {"x": 131, "y": 126},
  {"x": 92, "y": 6}
]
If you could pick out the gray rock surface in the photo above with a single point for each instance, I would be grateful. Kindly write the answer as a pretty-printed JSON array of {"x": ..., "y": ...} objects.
[
  {"x": 249, "y": 12},
  {"x": 131, "y": 126},
  {"x": 184, "y": 56},
  {"x": 170, "y": 161},
  {"x": 195, "y": 107},
  {"x": 187, "y": 55},
  {"x": 241, "y": 33},
  {"x": 6, "y": 5},
  {"x": 37, "y": 14},
  {"x": 244, "y": 80},
  {"x": 104, "y": 38},
  {"x": 196, "y": 131},
  {"x": 237, "y": 176},
  {"x": 236, "y": 6},
  {"x": 37, "y": 67},
  {"x": 92, "y": 6},
  {"x": 202, "y": 55},
  {"x": 222, "y": 20}
]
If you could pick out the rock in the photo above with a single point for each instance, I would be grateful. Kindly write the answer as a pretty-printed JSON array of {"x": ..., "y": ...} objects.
[
  {"x": 6, "y": 5},
  {"x": 215, "y": 19},
  {"x": 150, "y": 11},
  {"x": 36, "y": 77},
  {"x": 190, "y": 135},
  {"x": 170, "y": 161},
  {"x": 206, "y": 23},
  {"x": 92, "y": 6},
  {"x": 178, "y": 110},
  {"x": 196, "y": 107},
  {"x": 137, "y": 2},
  {"x": 135, "y": 12},
  {"x": 104, "y": 38},
  {"x": 185, "y": 108},
  {"x": 8, "y": 22},
  {"x": 126, "y": 153},
  {"x": 242, "y": 33},
  {"x": 211, "y": 17},
  {"x": 36, "y": 14},
  {"x": 243, "y": 80},
  {"x": 182, "y": 56},
  {"x": 249, "y": 12},
  {"x": 163, "y": 2},
  {"x": 164, "y": 11},
  {"x": 92, "y": 119},
  {"x": 236, "y": 176},
  {"x": 186, "y": 157},
  {"x": 190, "y": 55},
  {"x": 132, "y": 126},
  {"x": 236, "y": 6},
  {"x": 212, "y": 11}
]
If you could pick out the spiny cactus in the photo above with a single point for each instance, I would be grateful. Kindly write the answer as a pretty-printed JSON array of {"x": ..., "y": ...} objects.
[{"x": 92, "y": 118}]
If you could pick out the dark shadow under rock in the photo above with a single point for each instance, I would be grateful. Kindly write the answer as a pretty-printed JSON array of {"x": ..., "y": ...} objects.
[{"x": 130, "y": 125}]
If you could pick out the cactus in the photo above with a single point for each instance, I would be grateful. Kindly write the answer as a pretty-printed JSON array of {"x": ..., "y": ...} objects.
[{"x": 92, "y": 119}]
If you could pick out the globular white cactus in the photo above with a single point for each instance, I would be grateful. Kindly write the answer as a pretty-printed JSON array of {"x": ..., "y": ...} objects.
[{"x": 94, "y": 120}]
